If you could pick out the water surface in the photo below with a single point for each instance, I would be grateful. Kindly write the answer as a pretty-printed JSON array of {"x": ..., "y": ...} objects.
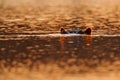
[{"x": 60, "y": 57}]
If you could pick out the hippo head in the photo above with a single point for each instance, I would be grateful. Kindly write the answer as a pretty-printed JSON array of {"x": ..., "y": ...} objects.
[{"x": 87, "y": 31}]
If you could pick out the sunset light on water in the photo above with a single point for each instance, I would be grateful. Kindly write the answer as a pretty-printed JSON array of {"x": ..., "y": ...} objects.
[{"x": 33, "y": 48}]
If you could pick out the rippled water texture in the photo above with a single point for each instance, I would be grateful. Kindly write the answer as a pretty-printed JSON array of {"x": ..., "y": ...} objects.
[
  {"x": 32, "y": 48},
  {"x": 60, "y": 58}
]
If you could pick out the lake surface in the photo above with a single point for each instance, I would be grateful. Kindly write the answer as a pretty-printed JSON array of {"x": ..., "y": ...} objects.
[
  {"x": 60, "y": 57},
  {"x": 31, "y": 47}
]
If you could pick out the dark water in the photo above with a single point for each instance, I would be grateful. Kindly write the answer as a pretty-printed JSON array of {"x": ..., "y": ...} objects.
[
  {"x": 60, "y": 58},
  {"x": 29, "y": 49}
]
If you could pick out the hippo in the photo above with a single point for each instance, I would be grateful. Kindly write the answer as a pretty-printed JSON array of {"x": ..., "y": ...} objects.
[{"x": 76, "y": 31}]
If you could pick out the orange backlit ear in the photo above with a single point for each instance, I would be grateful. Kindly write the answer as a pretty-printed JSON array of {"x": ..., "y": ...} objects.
[{"x": 88, "y": 31}]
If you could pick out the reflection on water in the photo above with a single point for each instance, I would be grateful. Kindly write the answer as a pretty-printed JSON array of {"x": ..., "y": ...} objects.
[{"x": 60, "y": 58}]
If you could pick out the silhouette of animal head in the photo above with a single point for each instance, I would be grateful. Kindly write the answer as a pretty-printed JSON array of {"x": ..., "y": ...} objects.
[{"x": 87, "y": 31}]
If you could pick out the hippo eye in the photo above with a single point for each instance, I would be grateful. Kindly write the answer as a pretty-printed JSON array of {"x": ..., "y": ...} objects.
[
  {"x": 75, "y": 32},
  {"x": 70, "y": 32},
  {"x": 80, "y": 32}
]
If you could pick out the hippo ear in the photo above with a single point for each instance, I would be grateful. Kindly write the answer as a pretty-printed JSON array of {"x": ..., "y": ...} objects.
[
  {"x": 63, "y": 31},
  {"x": 88, "y": 31}
]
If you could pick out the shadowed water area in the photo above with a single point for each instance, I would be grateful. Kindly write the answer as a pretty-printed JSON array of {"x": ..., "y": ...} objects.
[
  {"x": 32, "y": 48},
  {"x": 60, "y": 57}
]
